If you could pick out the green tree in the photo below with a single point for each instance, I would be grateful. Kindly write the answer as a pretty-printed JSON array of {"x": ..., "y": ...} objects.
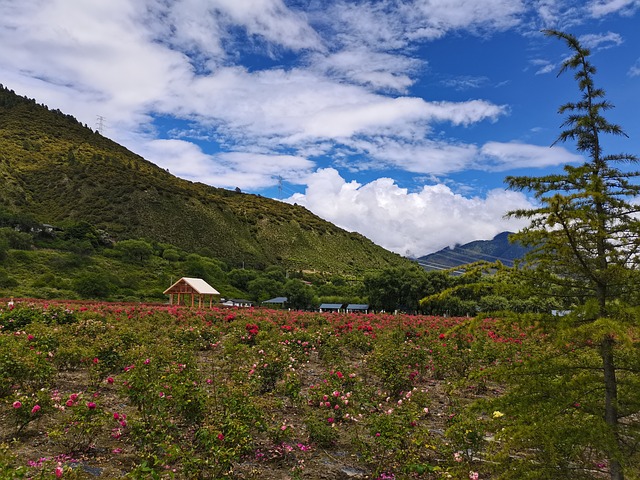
[
  {"x": 399, "y": 288},
  {"x": 299, "y": 295},
  {"x": 93, "y": 285},
  {"x": 240, "y": 278},
  {"x": 586, "y": 238},
  {"x": 137, "y": 251},
  {"x": 263, "y": 288}
]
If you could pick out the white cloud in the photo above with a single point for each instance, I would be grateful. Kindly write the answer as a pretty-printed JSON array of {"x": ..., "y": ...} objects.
[
  {"x": 391, "y": 25},
  {"x": 434, "y": 18},
  {"x": 364, "y": 66},
  {"x": 409, "y": 223},
  {"x": 601, "y": 8},
  {"x": 508, "y": 156},
  {"x": 601, "y": 41},
  {"x": 634, "y": 71},
  {"x": 542, "y": 66},
  {"x": 202, "y": 26},
  {"x": 246, "y": 170},
  {"x": 465, "y": 82}
]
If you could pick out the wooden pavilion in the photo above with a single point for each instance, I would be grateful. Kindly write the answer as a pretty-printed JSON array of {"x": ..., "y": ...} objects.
[{"x": 189, "y": 288}]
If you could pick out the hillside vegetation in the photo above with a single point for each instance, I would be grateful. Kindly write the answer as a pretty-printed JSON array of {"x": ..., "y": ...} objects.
[{"x": 57, "y": 171}]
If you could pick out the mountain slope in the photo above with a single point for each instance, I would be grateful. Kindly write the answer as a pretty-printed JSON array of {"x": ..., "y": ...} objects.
[
  {"x": 499, "y": 248},
  {"x": 57, "y": 171}
]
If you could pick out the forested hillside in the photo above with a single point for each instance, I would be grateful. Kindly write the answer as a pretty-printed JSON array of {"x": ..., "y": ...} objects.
[{"x": 56, "y": 171}]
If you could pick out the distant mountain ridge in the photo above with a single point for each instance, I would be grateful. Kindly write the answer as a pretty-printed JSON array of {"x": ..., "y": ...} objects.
[
  {"x": 57, "y": 171},
  {"x": 498, "y": 248}
]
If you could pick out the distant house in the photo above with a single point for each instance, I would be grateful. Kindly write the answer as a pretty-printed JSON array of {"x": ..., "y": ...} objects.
[
  {"x": 357, "y": 308},
  {"x": 188, "y": 288},
  {"x": 331, "y": 307},
  {"x": 278, "y": 302},
  {"x": 235, "y": 302}
]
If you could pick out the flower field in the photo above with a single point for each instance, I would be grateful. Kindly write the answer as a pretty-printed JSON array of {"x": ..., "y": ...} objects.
[{"x": 135, "y": 391}]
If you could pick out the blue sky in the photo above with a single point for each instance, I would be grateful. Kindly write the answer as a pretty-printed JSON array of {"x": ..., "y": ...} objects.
[{"x": 398, "y": 119}]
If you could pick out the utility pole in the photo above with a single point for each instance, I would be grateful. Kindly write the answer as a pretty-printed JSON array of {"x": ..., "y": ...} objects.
[{"x": 100, "y": 121}]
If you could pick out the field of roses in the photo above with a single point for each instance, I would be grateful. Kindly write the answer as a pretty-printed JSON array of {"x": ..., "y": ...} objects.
[{"x": 102, "y": 390}]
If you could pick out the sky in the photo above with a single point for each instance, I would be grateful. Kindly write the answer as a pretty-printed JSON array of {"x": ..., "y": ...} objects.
[{"x": 398, "y": 119}]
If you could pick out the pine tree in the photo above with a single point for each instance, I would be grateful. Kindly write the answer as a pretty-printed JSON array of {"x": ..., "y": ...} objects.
[{"x": 586, "y": 238}]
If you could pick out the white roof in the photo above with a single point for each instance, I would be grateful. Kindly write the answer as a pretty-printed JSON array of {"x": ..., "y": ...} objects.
[{"x": 199, "y": 285}]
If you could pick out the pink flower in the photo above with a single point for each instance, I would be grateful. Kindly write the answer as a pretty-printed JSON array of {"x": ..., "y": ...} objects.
[
  {"x": 116, "y": 415},
  {"x": 69, "y": 403},
  {"x": 17, "y": 404},
  {"x": 147, "y": 361},
  {"x": 95, "y": 360},
  {"x": 474, "y": 476},
  {"x": 35, "y": 409},
  {"x": 91, "y": 405},
  {"x": 220, "y": 437},
  {"x": 73, "y": 397},
  {"x": 110, "y": 380},
  {"x": 58, "y": 471}
]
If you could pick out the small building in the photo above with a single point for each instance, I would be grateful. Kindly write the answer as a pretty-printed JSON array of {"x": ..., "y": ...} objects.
[
  {"x": 277, "y": 302},
  {"x": 331, "y": 307},
  {"x": 357, "y": 308},
  {"x": 237, "y": 302},
  {"x": 190, "y": 288}
]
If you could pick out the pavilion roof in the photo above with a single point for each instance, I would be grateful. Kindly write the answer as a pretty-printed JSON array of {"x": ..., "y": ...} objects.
[{"x": 198, "y": 285}]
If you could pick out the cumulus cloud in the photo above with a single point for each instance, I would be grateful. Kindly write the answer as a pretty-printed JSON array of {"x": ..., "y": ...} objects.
[
  {"x": 409, "y": 223},
  {"x": 634, "y": 71}
]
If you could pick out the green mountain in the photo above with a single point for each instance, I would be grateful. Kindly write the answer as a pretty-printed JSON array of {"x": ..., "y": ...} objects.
[
  {"x": 498, "y": 248},
  {"x": 56, "y": 171}
]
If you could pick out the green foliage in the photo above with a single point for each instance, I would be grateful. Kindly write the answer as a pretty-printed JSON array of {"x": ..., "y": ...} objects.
[
  {"x": 320, "y": 431},
  {"x": 16, "y": 239},
  {"x": 299, "y": 296},
  {"x": 93, "y": 285},
  {"x": 135, "y": 250},
  {"x": 585, "y": 236},
  {"x": 396, "y": 288},
  {"x": 21, "y": 366}
]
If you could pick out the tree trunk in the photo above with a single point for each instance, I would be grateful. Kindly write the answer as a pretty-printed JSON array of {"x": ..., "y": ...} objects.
[{"x": 611, "y": 404}]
